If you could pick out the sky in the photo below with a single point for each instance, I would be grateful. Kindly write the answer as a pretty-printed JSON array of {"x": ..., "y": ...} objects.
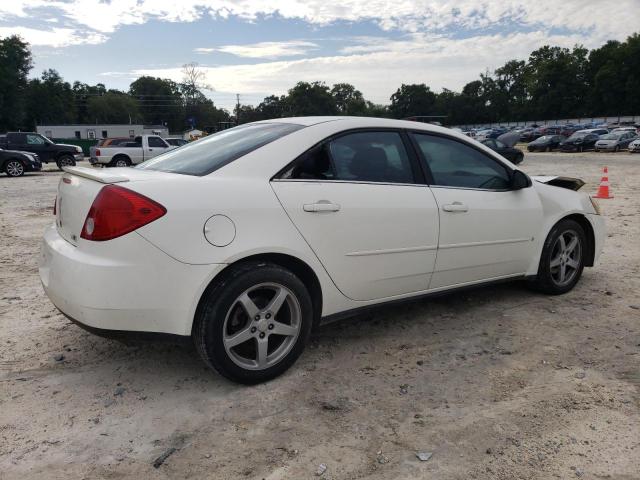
[{"x": 257, "y": 48}]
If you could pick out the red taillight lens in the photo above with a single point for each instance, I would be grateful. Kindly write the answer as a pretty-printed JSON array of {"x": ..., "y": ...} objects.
[
  {"x": 117, "y": 211},
  {"x": 55, "y": 204},
  {"x": 97, "y": 152}
]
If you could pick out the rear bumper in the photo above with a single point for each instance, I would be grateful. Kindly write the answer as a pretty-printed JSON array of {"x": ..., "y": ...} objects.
[{"x": 123, "y": 285}]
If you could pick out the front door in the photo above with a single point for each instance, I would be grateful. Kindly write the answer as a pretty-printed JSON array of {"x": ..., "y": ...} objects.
[
  {"x": 487, "y": 230},
  {"x": 358, "y": 203}
]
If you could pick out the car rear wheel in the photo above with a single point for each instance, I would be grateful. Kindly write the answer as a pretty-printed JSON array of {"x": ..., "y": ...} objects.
[
  {"x": 254, "y": 323},
  {"x": 14, "y": 168},
  {"x": 65, "y": 161},
  {"x": 562, "y": 259},
  {"x": 121, "y": 162},
  {"x": 616, "y": 148}
]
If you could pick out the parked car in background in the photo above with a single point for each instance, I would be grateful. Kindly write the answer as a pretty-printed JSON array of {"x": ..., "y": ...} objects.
[
  {"x": 614, "y": 142},
  {"x": 63, "y": 155},
  {"x": 514, "y": 155},
  {"x": 109, "y": 142},
  {"x": 176, "y": 142},
  {"x": 245, "y": 240},
  {"x": 634, "y": 146},
  {"x": 130, "y": 153},
  {"x": 15, "y": 163},
  {"x": 526, "y": 135},
  {"x": 546, "y": 143},
  {"x": 580, "y": 141},
  {"x": 624, "y": 129}
]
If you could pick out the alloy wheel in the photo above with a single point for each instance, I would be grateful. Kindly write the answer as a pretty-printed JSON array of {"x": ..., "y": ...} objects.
[
  {"x": 122, "y": 163},
  {"x": 262, "y": 326},
  {"x": 566, "y": 257},
  {"x": 15, "y": 168},
  {"x": 65, "y": 162}
]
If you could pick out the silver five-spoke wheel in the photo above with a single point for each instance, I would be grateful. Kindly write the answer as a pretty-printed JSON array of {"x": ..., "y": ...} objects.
[
  {"x": 262, "y": 326},
  {"x": 566, "y": 256}
]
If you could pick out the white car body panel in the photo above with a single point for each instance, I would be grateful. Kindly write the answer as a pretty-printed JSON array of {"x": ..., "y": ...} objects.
[{"x": 381, "y": 245}]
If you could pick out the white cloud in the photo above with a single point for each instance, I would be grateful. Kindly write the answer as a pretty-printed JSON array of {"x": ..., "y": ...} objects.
[
  {"x": 436, "y": 61},
  {"x": 56, "y": 37},
  {"x": 603, "y": 19},
  {"x": 268, "y": 50}
]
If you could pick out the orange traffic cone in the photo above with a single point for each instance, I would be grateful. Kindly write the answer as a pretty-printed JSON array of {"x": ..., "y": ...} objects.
[{"x": 603, "y": 190}]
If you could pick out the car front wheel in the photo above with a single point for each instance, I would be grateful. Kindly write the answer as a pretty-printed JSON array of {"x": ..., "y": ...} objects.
[
  {"x": 254, "y": 323},
  {"x": 562, "y": 259},
  {"x": 14, "y": 168}
]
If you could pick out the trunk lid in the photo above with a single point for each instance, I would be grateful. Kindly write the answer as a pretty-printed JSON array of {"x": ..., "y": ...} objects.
[{"x": 77, "y": 190}]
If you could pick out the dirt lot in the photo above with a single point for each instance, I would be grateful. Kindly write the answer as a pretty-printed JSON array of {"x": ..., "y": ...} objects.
[{"x": 497, "y": 383}]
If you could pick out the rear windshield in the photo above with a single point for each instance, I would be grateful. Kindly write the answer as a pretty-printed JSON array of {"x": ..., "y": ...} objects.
[{"x": 210, "y": 153}]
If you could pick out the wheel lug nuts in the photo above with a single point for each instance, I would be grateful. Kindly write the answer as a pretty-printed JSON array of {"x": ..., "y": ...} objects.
[
  {"x": 267, "y": 316},
  {"x": 271, "y": 326},
  {"x": 262, "y": 335},
  {"x": 257, "y": 317},
  {"x": 253, "y": 329}
]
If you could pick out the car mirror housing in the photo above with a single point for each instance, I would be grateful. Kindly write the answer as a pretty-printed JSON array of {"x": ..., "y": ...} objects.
[{"x": 519, "y": 180}]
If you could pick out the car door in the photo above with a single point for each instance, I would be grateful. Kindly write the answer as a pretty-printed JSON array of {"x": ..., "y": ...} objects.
[
  {"x": 156, "y": 146},
  {"x": 360, "y": 202},
  {"x": 487, "y": 230},
  {"x": 37, "y": 144}
]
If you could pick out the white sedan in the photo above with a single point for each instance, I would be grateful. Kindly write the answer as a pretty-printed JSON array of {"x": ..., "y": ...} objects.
[{"x": 245, "y": 240}]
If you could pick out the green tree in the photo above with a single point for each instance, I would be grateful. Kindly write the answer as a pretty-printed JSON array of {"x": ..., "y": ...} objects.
[
  {"x": 412, "y": 100},
  {"x": 159, "y": 102},
  {"x": 50, "y": 100},
  {"x": 112, "y": 107},
  {"x": 15, "y": 63},
  {"x": 348, "y": 100},
  {"x": 311, "y": 99}
]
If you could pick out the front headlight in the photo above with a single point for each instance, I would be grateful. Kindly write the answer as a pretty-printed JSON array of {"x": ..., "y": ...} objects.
[
  {"x": 78, "y": 149},
  {"x": 596, "y": 206}
]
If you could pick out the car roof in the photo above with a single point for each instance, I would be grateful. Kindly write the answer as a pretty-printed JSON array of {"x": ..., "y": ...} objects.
[{"x": 347, "y": 122}]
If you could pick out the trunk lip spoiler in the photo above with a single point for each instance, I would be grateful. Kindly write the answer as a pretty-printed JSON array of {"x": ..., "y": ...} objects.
[{"x": 95, "y": 174}]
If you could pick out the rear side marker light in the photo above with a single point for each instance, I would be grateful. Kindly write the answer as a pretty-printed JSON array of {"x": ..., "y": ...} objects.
[{"x": 117, "y": 211}]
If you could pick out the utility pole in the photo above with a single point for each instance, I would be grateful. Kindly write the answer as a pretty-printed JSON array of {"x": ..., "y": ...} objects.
[{"x": 237, "y": 109}]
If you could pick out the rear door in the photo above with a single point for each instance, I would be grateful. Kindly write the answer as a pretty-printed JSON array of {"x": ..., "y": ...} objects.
[
  {"x": 487, "y": 231},
  {"x": 360, "y": 203}
]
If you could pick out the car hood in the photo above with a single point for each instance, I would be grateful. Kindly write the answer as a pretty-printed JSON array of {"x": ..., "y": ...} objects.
[
  {"x": 607, "y": 142},
  {"x": 569, "y": 183},
  {"x": 66, "y": 145},
  {"x": 30, "y": 154}
]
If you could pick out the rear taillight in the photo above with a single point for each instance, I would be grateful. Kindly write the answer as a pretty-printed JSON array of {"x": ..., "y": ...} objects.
[
  {"x": 117, "y": 211},
  {"x": 55, "y": 204},
  {"x": 97, "y": 152}
]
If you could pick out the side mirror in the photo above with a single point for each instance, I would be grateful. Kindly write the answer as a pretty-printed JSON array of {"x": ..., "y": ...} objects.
[{"x": 519, "y": 180}]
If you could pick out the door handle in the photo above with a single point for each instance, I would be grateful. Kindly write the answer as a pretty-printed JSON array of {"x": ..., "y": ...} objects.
[
  {"x": 455, "y": 207},
  {"x": 321, "y": 206}
]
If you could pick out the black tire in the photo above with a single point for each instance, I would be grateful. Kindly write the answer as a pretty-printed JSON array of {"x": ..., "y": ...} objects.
[
  {"x": 120, "y": 161},
  {"x": 65, "y": 161},
  {"x": 616, "y": 149},
  {"x": 14, "y": 168},
  {"x": 218, "y": 303},
  {"x": 546, "y": 281}
]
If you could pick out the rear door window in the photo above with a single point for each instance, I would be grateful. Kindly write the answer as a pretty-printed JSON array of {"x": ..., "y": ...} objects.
[{"x": 214, "y": 151}]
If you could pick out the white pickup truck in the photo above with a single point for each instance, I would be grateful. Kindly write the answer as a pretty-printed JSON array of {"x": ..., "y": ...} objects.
[{"x": 130, "y": 153}]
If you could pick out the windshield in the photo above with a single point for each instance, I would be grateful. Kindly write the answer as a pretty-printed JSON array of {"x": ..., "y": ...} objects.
[
  {"x": 611, "y": 136},
  {"x": 210, "y": 153},
  {"x": 578, "y": 135}
]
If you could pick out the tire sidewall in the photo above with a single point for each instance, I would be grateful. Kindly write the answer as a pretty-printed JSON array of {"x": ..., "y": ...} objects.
[
  {"x": 208, "y": 331},
  {"x": 544, "y": 279},
  {"x": 118, "y": 159}
]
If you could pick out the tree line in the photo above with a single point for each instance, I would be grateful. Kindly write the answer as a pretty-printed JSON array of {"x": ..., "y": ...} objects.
[{"x": 554, "y": 82}]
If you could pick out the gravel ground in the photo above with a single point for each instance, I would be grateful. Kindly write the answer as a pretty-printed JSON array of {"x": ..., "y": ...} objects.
[{"x": 496, "y": 383}]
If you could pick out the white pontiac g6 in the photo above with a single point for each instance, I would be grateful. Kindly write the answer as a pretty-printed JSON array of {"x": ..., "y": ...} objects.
[{"x": 245, "y": 240}]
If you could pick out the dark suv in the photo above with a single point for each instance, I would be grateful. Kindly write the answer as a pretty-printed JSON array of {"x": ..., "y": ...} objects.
[{"x": 47, "y": 151}]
